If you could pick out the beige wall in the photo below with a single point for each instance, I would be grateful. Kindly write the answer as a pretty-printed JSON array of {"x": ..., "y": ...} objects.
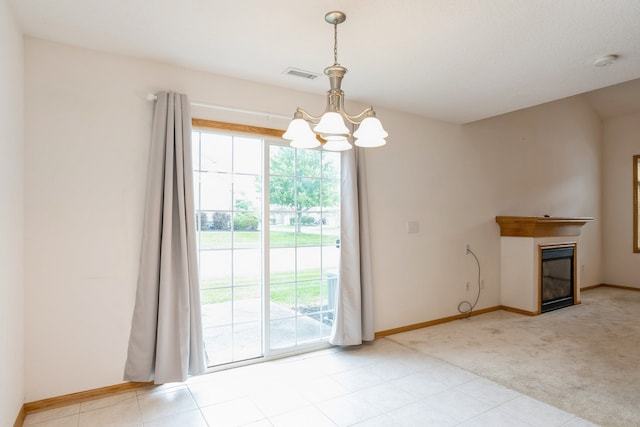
[
  {"x": 11, "y": 217},
  {"x": 621, "y": 141},
  {"x": 454, "y": 181},
  {"x": 87, "y": 143}
]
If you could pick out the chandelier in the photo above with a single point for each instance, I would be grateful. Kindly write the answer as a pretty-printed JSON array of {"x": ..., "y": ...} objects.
[{"x": 335, "y": 125}]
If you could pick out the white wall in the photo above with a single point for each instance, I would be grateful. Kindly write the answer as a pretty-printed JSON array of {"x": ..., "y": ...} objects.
[
  {"x": 87, "y": 143},
  {"x": 11, "y": 217},
  {"x": 621, "y": 141}
]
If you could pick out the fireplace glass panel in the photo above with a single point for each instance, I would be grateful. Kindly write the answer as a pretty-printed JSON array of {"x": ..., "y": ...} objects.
[{"x": 557, "y": 278}]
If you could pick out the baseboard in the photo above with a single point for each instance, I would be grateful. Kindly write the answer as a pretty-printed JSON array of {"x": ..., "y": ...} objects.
[
  {"x": 381, "y": 334},
  {"x": 628, "y": 288},
  {"x": 79, "y": 397},
  {"x": 518, "y": 310},
  {"x": 20, "y": 418},
  {"x": 588, "y": 288}
]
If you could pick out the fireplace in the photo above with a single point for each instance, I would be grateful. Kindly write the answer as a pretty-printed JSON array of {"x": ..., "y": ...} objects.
[
  {"x": 557, "y": 277},
  {"x": 522, "y": 243}
]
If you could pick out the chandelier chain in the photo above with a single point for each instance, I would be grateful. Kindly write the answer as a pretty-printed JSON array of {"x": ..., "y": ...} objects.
[{"x": 335, "y": 43}]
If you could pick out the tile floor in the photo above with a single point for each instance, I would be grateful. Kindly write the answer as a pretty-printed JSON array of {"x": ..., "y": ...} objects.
[{"x": 382, "y": 384}]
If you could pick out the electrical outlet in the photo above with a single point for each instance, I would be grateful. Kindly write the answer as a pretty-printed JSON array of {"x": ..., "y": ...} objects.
[{"x": 467, "y": 286}]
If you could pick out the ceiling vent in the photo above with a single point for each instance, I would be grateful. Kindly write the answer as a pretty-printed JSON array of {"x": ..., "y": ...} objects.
[{"x": 300, "y": 73}]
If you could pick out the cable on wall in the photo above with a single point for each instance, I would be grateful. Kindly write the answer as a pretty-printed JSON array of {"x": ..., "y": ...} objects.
[{"x": 465, "y": 307}]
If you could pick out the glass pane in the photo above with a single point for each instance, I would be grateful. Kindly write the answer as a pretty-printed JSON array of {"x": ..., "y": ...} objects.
[
  {"x": 331, "y": 194},
  {"x": 283, "y": 300},
  {"x": 219, "y": 221},
  {"x": 247, "y": 266},
  {"x": 309, "y": 329},
  {"x": 247, "y": 340},
  {"x": 309, "y": 296},
  {"x": 216, "y": 306},
  {"x": 331, "y": 165},
  {"x": 308, "y": 163},
  {"x": 281, "y": 234},
  {"x": 228, "y": 196},
  {"x": 308, "y": 193},
  {"x": 215, "y": 152},
  {"x": 246, "y": 226},
  {"x": 283, "y": 333},
  {"x": 215, "y": 191},
  {"x": 308, "y": 262},
  {"x": 247, "y": 155},
  {"x": 282, "y": 265},
  {"x": 282, "y": 194},
  {"x": 247, "y": 306},
  {"x": 219, "y": 344},
  {"x": 215, "y": 268},
  {"x": 215, "y": 239},
  {"x": 329, "y": 295},
  {"x": 281, "y": 160},
  {"x": 247, "y": 192},
  {"x": 330, "y": 258}
]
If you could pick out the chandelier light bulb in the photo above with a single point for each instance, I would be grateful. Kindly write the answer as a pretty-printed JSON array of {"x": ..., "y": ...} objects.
[
  {"x": 370, "y": 128},
  {"x": 330, "y": 124},
  {"x": 370, "y": 142},
  {"x": 337, "y": 145}
]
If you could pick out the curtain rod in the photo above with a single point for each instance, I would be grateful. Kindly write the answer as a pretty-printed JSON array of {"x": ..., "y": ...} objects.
[{"x": 152, "y": 97}]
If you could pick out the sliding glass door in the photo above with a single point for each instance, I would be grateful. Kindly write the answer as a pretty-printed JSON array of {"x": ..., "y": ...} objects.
[
  {"x": 304, "y": 245},
  {"x": 268, "y": 242}
]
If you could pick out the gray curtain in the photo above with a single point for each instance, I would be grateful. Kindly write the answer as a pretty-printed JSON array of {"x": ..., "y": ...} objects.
[
  {"x": 166, "y": 344},
  {"x": 353, "y": 318}
]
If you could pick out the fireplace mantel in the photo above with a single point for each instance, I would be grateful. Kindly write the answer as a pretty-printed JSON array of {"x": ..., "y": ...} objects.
[
  {"x": 523, "y": 238},
  {"x": 536, "y": 226}
]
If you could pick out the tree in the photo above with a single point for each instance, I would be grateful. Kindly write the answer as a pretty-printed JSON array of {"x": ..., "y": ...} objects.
[{"x": 303, "y": 179}]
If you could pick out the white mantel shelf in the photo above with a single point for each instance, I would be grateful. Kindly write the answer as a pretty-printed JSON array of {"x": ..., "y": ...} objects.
[{"x": 540, "y": 226}]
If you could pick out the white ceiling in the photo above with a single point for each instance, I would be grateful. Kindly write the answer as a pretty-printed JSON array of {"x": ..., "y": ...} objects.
[{"x": 453, "y": 60}]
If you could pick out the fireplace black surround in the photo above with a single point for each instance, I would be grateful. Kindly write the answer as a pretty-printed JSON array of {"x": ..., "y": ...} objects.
[{"x": 557, "y": 277}]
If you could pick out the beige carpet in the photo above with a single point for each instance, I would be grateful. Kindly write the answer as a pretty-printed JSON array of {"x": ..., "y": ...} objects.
[{"x": 584, "y": 359}]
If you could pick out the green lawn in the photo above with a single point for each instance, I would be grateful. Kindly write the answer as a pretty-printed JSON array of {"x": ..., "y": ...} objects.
[
  {"x": 277, "y": 239},
  {"x": 283, "y": 289}
]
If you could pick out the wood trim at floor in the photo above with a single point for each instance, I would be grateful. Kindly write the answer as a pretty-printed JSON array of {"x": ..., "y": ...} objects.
[
  {"x": 628, "y": 288},
  {"x": 381, "y": 334},
  {"x": 20, "y": 418},
  {"x": 79, "y": 397}
]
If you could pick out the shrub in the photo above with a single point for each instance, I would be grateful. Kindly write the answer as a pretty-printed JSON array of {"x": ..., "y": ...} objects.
[
  {"x": 307, "y": 220},
  {"x": 221, "y": 221},
  {"x": 245, "y": 222}
]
